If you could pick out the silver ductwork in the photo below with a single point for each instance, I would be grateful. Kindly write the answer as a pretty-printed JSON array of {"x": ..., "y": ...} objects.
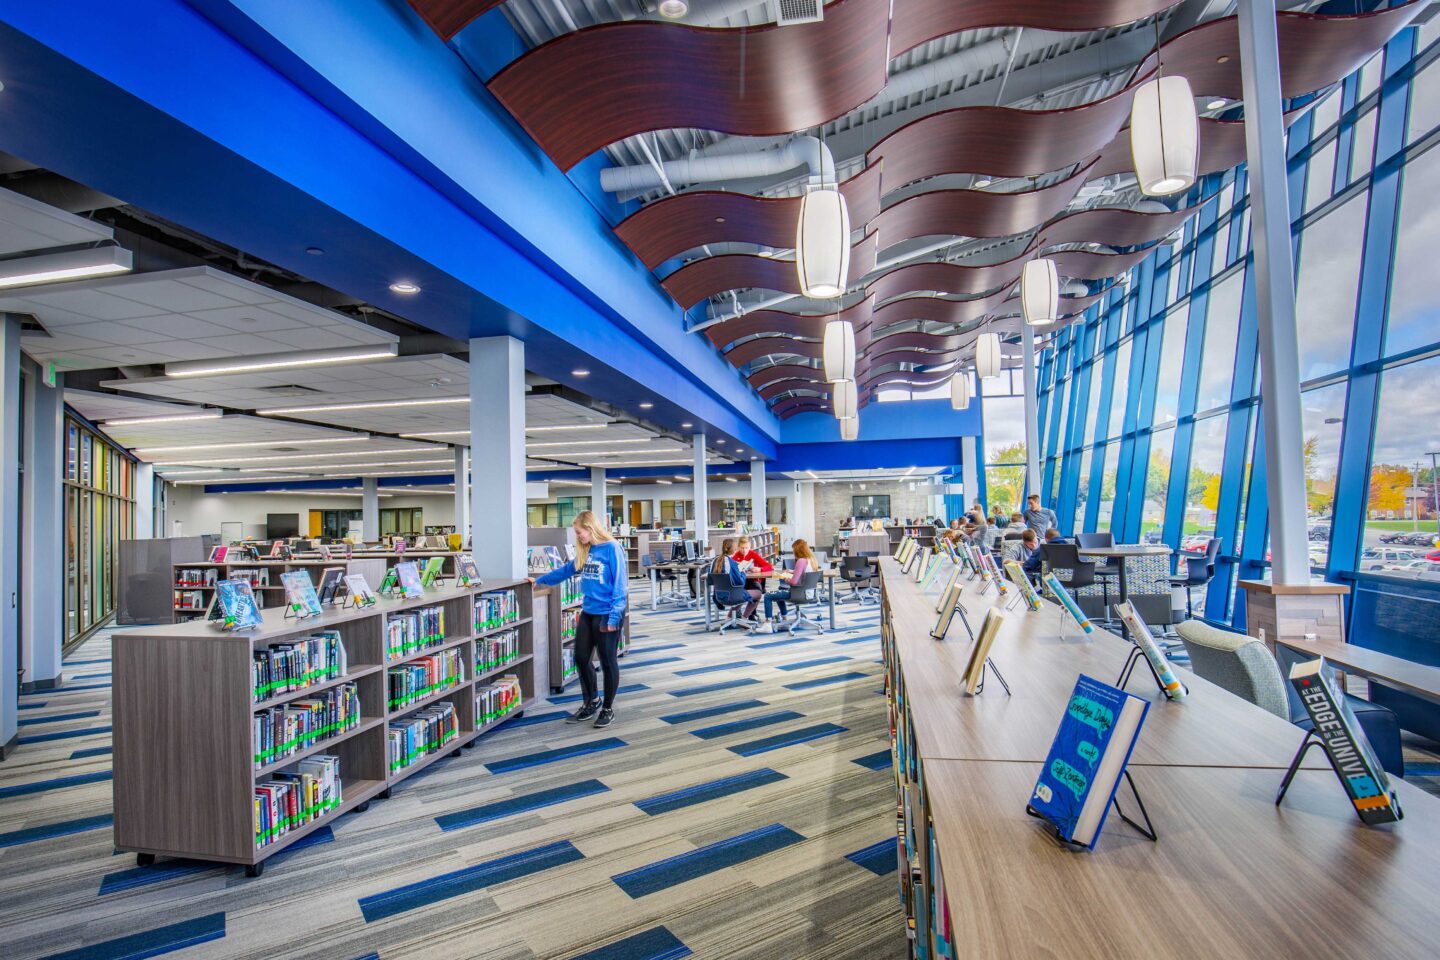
[{"x": 714, "y": 165}]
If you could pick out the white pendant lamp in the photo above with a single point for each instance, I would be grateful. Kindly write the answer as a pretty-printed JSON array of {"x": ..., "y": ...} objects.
[
  {"x": 1164, "y": 136},
  {"x": 845, "y": 399},
  {"x": 822, "y": 244},
  {"x": 987, "y": 356},
  {"x": 960, "y": 390},
  {"x": 839, "y": 351},
  {"x": 849, "y": 429},
  {"x": 1040, "y": 292}
]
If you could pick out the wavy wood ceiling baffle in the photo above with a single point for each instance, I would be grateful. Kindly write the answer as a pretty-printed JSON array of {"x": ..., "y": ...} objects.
[{"x": 918, "y": 21}]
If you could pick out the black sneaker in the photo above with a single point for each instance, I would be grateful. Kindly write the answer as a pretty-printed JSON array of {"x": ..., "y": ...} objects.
[
  {"x": 584, "y": 713},
  {"x": 606, "y": 716}
]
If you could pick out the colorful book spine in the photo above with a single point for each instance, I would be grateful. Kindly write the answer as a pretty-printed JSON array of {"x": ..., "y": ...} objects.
[
  {"x": 414, "y": 630},
  {"x": 423, "y": 732},
  {"x": 292, "y": 727},
  {"x": 496, "y": 700},
  {"x": 424, "y": 677},
  {"x": 496, "y": 651},
  {"x": 495, "y": 610},
  {"x": 291, "y": 800},
  {"x": 1068, "y": 602},
  {"x": 298, "y": 665}
]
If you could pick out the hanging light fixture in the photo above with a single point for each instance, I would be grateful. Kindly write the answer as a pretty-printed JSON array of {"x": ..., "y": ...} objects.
[
  {"x": 987, "y": 356},
  {"x": 845, "y": 399},
  {"x": 1164, "y": 136},
  {"x": 849, "y": 429},
  {"x": 839, "y": 351},
  {"x": 960, "y": 390},
  {"x": 822, "y": 244},
  {"x": 1040, "y": 292}
]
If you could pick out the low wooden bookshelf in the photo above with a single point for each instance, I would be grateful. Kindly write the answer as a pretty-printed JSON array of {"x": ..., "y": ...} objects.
[{"x": 185, "y": 764}]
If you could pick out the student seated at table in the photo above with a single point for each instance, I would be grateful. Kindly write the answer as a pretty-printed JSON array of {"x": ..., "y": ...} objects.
[
  {"x": 1032, "y": 563},
  {"x": 804, "y": 561},
  {"x": 725, "y": 563},
  {"x": 745, "y": 555}
]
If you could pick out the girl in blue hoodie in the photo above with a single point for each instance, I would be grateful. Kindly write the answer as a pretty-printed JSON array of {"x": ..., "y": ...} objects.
[{"x": 604, "y": 581}]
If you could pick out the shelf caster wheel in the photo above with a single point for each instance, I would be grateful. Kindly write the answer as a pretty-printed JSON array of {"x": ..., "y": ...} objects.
[
  {"x": 469, "y": 744},
  {"x": 455, "y": 752},
  {"x": 362, "y": 807},
  {"x": 144, "y": 859},
  {"x": 384, "y": 794},
  {"x": 253, "y": 870}
]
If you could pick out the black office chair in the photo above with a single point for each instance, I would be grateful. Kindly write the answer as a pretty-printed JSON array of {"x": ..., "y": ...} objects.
[
  {"x": 1199, "y": 571},
  {"x": 1107, "y": 571},
  {"x": 859, "y": 572},
  {"x": 1063, "y": 560},
  {"x": 726, "y": 596},
  {"x": 804, "y": 593}
]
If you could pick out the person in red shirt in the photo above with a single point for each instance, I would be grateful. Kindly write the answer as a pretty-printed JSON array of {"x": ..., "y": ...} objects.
[{"x": 744, "y": 553}]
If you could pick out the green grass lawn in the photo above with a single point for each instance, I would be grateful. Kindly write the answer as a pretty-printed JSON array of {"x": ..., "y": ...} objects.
[{"x": 1406, "y": 526}]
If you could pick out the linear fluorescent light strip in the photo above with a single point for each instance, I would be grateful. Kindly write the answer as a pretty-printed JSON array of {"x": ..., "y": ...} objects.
[
  {"x": 239, "y": 479},
  {"x": 573, "y": 426},
  {"x": 280, "y": 361},
  {"x": 287, "y": 457},
  {"x": 68, "y": 265},
  {"x": 367, "y": 405},
  {"x": 588, "y": 443},
  {"x": 254, "y": 443},
  {"x": 355, "y": 466},
  {"x": 164, "y": 418}
]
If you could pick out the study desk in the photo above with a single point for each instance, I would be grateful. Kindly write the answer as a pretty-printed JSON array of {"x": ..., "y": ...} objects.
[
  {"x": 1231, "y": 873},
  {"x": 829, "y": 578},
  {"x": 677, "y": 567},
  {"x": 1407, "y": 676}
]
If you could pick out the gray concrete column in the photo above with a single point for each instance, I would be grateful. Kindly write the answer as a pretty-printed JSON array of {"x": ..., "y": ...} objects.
[
  {"x": 701, "y": 495},
  {"x": 1032, "y": 404},
  {"x": 10, "y": 559},
  {"x": 598, "y": 503},
  {"x": 462, "y": 492},
  {"x": 144, "y": 501},
  {"x": 42, "y": 624},
  {"x": 370, "y": 508},
  {"x": 970, "y": 469},
  {"x": 1274, "y": 294},
  {"x": 757, "y": 493},
  {"x": 497, "y": 469}
]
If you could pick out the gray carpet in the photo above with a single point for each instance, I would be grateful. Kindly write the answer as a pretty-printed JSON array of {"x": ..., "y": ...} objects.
[{"x": 756, "y": 821}]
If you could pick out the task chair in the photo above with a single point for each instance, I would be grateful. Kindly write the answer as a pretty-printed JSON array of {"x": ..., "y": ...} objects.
[
  {"x": 1199, "y": 571},
  {"x": 1107, "y": 571},
  {"x": 1063, "y": 560},
  {"x": 804, "y": 595},
  {"x": 859, "y": 572},
  {"x": 1246, "y": 667},
  {"x": 726, "y": 596}
]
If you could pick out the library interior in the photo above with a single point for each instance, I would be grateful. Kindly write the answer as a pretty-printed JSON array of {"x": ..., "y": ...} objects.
[{"x": 733, "y": 476}]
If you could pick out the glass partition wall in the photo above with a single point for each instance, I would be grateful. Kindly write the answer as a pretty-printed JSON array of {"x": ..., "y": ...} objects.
[
  {"x": 1149, "y": 405},
  {"x": 99, "y": 513}
]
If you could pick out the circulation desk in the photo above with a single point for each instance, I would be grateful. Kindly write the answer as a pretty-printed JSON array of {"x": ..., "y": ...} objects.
[{"x": 1231, "y": 873}]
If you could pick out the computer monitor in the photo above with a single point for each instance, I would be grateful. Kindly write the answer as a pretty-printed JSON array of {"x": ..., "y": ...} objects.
[
  {"x": 678, "y": 553},
  {"x": 692, "y": 549}
]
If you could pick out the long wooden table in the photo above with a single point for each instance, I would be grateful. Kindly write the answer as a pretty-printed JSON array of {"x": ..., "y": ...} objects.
[{"x": 1231, "y": 873}]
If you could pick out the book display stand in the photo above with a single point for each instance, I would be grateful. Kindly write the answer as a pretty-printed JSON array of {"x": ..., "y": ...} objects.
[
  {"x": 988, "y": 668},
  {"x": 1147, "y": 830},
  {"x": 1138, "y": 656}
]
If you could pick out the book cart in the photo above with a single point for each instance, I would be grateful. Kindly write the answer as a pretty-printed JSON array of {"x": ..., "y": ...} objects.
[{"x": 186, "y": 760}]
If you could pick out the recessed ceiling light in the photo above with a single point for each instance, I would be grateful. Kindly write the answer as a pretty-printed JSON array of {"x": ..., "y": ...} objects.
[
  {"x": 165, "y": 418},
  {"x": 579, "y": 372},
  {"x": 673, "y": 9},
  {"x": 686, "y": 426},
  {"x": 405, "y": 287},
  {"x": 314, "y": 251},
  {"x": 665, "y": 482},
  {"x": 754, "y": 458},
  {"x": 721, "y": 441},
  {"x": 739, "y": 449},
  {"x": 719, "y": 219},
  {"x": 1216, "y": 104},
  {"x": 984, "y": 182},
  {"x": 1223, "y": 58},
  {"x": 647, "y": 405}
]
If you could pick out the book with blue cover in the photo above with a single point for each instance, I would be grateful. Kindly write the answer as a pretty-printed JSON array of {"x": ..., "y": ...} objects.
[
  {"x": 235, "y": 605},
  {"x": 409, "y": 577},
  {"x": 1087, "y": 758}
]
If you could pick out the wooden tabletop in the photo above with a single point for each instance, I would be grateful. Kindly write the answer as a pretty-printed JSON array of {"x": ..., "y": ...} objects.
[
  {"x": 1128, "y": 550},
  {"x": 1232, "y": 875},
  {"x": 1408, "y": 676}
]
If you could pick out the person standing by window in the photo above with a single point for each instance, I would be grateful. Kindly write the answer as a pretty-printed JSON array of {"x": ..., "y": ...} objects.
[
  {"x": 604, "y": 581},
  {"x": 1039, "y": 518}
]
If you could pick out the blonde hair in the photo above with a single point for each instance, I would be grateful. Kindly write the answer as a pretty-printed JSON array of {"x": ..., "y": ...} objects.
[
  {"x": 802, "y": 549},
  {"x": 585, "y": 520}
]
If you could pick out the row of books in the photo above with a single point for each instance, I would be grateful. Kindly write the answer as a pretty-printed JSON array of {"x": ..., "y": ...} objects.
[
  {"x": 290, "y": 800},
  {"x": 497, "y": 699},
  {"x": 257, "y": 578},
  {"x": 290, "y": 728},
  {"x": 567, "y": 663},
  {"x": 569, "y": 621},
  {"x": 495, "y": 610},
  {"x": 496, "y": 651},
  {"x": 421, "y": 733},
  {"x": 423, "y": 677},
  {"x": 414, "y": 630},
  {"x": 570, "y": 592},
  {"x": 196, "y": 576},
  {"x": 297, "y": 665},
  {"x": 191, "y": 600}
]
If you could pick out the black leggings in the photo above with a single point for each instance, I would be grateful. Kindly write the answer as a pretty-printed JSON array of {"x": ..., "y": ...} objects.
[{"x": 590, "y": 637}]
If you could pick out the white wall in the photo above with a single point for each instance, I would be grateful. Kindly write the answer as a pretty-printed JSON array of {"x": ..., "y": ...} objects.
[{"x": 199, "y": 512}]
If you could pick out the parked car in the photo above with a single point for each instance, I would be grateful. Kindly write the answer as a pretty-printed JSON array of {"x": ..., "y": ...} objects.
[
  {"x": 1418, "y": 568},
  {"x": 1393, "y": 536},
  {"x": 1384, "y": 558},
  {"x": 1421, "y": 539},
  {"x": 1319, "y": 530},
  {"x": 1194, "y": 544}
]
